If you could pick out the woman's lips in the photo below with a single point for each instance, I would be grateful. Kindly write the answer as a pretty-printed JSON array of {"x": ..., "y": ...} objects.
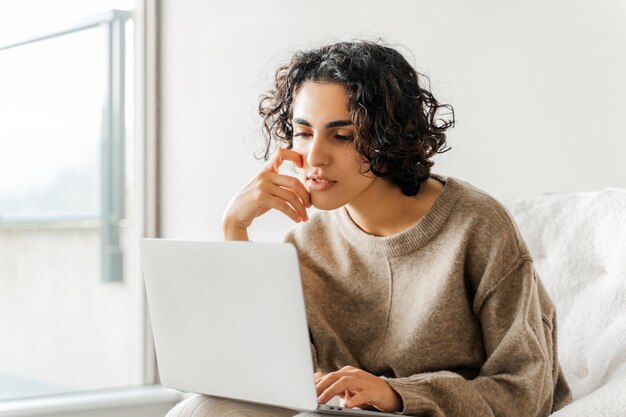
[{"x": 321, "y": 185}]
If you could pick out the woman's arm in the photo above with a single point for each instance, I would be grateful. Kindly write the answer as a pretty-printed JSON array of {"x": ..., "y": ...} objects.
[
  {"x": 232, "y": 232},
  {"x": 518, "y": 376}
]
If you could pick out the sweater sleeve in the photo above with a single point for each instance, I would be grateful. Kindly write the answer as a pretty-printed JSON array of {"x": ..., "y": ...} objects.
[{"x": 516, "y": 378}]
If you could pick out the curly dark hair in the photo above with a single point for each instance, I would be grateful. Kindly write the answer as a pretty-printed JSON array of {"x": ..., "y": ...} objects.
[{"x": 397, "y": 126}]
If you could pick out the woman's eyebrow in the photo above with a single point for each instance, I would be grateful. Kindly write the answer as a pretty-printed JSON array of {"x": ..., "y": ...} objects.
[{"x": 335, "y": 123}]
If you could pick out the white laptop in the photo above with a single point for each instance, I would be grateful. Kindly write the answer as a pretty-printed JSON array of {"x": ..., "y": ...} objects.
[{"x": 229, "y": 321}]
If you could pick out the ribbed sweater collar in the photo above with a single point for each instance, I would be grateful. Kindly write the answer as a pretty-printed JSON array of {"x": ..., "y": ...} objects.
[{"x": 410, "y": 239}]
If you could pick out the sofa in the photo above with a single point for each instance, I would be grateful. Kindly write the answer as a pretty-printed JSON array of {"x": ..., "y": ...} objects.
[{"x": 578, "y": 242}]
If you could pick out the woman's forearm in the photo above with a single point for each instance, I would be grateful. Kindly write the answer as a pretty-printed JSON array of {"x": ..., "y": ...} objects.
[{"x": 233, "y": 232}]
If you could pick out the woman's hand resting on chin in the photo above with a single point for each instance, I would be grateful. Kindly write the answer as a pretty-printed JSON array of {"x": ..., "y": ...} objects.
[
  {"x": 358, "y": 389},
  {"x": 267, "y": 190}
]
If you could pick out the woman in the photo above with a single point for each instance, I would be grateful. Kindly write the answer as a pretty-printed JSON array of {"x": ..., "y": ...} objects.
[{"x": 421, "y": 294}]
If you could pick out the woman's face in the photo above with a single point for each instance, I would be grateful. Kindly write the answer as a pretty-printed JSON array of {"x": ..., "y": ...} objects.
[{"x": 322, "y": 134}]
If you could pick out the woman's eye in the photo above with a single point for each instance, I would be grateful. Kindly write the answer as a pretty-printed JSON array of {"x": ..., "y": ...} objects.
[{"x": 341, "y": 138}]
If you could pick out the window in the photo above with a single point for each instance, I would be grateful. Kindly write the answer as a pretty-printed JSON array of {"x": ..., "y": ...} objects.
[
  {"x": 71, "y": 317},
  {"x": 51, "y": 129}
]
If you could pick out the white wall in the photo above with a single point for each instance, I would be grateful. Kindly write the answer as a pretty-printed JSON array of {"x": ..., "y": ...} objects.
[{"x": 537, "y": 86}]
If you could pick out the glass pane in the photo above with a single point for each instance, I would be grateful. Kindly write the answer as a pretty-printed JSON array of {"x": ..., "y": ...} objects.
[
  {"x": 62, "y": 329},
  {"x": 51, "y": 107}
]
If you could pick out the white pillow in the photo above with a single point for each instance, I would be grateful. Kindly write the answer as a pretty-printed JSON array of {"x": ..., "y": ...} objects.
[{"x": 578, "y": 241}]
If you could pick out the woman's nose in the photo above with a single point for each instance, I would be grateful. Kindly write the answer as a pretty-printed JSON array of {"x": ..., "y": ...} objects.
[{"x": 317, "y": 152}]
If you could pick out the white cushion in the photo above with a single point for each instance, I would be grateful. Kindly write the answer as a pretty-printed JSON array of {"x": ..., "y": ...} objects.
[{"x": 578, "y": 241}]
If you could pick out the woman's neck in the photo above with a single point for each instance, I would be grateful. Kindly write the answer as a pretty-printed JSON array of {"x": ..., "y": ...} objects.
[{"x": 382, "y": 210}]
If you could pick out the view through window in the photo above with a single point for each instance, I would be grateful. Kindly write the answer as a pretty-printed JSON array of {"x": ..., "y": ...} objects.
[{"x": 70, "y": 317}]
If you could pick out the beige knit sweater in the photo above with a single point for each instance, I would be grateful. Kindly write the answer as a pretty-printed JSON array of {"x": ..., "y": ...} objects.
[{"x": 451, "y": 311}]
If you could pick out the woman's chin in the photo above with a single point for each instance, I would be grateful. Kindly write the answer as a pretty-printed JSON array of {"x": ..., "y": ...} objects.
[{"x": 320, "y": 204}]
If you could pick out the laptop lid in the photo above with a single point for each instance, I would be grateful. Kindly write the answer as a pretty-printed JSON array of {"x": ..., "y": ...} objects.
[{"x": 229, "y": 320}]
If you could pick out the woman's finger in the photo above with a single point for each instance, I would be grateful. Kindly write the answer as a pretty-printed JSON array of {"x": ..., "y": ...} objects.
[
  {"x": 291, "y": 197},
  {"x": 293, "y": 183},
  {"x": 282, "y": 155},
  {"x": 347, "y": 394},
  {"x": 343, "y": 383},
  {"x": 328, "y": 379},
  {"x": 360, "y": 399},
  {"x": 281, "y": 205}
]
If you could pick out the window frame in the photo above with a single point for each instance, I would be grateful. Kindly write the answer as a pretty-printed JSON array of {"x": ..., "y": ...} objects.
[
  {"x": 113, "y": 140},
  {"x": 147, "y": 399}
]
